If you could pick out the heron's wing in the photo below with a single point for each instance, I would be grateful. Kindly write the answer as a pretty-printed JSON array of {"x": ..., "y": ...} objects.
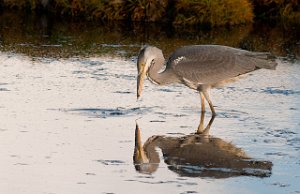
[{"x": 210, "y": 64}]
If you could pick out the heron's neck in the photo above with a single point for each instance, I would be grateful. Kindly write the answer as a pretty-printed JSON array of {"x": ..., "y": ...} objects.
[{"x": 163, "y": 78}]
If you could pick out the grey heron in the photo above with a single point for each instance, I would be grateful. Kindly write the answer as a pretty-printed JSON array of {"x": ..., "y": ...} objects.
[{"x": 199, "y": 67}]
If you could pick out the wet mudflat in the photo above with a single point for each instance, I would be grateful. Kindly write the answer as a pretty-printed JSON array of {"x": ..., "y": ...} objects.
[{"x": 68, "y": 125}]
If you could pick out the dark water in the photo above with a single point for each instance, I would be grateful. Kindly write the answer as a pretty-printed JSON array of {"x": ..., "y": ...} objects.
[
  {"x": 47, "y": 36},
  {"x": 68, "y": 112}
]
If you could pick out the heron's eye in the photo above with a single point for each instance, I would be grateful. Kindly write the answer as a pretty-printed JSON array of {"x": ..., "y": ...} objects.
[{"x": 152, "y": 62}]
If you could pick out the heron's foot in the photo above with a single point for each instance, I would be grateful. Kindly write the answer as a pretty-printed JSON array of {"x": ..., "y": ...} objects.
[
  {"x": 200, "y": 129},
  {"x": 203, "y": 131}
]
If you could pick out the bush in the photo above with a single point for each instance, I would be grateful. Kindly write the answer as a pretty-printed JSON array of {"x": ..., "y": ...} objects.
[
  {"x": 178, "y": 12},
  {"x": 273, "y": 9},
  {"x": 213, "y": 12}
]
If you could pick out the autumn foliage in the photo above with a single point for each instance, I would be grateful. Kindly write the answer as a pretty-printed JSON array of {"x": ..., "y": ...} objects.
[{"x": 176, "y": 12}]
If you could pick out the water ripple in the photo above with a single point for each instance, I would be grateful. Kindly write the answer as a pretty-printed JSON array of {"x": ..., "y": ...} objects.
[
  {"x": 111, "y": 162},
  {"x": 274, "y": 90},
  {"x": 111, "y": 112}
]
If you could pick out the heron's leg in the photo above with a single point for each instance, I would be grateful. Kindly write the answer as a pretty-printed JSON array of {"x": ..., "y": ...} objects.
[
  {"x": 206, "y": 96},
  {"x": 201, "y": 127},
  {"x": 207, "y": 128},
  {"x": 202, "y": 102}
]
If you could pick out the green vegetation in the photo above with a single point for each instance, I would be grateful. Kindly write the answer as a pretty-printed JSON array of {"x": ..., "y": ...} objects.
[{"x": 179, "y": 12}]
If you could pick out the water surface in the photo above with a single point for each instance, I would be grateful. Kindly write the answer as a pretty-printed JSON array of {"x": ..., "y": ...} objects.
[{"x": 68, "y": 114}]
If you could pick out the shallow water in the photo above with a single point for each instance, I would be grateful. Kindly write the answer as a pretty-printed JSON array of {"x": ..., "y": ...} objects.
[{"x": 68, "y": 125}]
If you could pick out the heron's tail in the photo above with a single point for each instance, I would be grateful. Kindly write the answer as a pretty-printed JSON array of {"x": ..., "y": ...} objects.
[{"x": 264, "y": 60}]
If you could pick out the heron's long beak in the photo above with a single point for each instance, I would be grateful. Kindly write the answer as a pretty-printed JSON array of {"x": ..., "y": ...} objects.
[
  {"x": 140, "y": 81},
  {"x": 140, "y": 156}
]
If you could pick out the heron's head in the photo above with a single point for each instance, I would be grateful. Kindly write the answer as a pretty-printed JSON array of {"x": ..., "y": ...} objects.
[
  {"x": 144, "y": 162},
  {"x": 145, "y": 60}
]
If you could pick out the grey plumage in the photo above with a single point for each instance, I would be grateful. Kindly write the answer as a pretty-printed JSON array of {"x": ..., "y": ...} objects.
[
  {"x": 200, "y": 67},
  {"x": 210, "y": 64}
]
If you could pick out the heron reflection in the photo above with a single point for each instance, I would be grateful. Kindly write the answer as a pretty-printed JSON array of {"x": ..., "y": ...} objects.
[{"x": 196, "y": 155}]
